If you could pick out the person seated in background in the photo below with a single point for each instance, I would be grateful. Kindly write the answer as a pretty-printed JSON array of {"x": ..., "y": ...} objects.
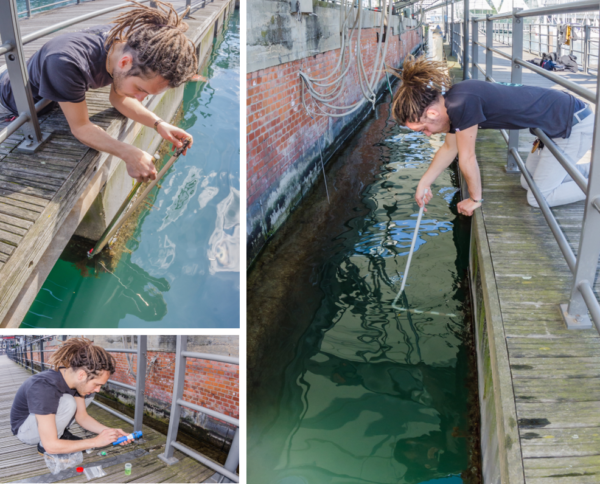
[
  {"x": 145, "y": 52},
  {"x": 48, "y": 403},
  {"x": 427, "y": 102}
]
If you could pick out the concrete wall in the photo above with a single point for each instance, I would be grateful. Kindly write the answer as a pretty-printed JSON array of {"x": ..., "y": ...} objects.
[{"x": 284, "y": 143}]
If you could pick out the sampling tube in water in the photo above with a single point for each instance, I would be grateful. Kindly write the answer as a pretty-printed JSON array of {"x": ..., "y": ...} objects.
[{"x": 133, "y": 436}]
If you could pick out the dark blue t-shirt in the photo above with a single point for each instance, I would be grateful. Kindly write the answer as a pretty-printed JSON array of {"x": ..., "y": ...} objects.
[
  {"x": 64, "y": 68},
  {"x": 40, "y": 395},
  {"x": 498, "y": 106}
]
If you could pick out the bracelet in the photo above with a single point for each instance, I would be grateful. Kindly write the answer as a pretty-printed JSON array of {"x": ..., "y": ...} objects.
[
  {"x": 476, "y": 201},
  {"x": 157, "y": 122}
]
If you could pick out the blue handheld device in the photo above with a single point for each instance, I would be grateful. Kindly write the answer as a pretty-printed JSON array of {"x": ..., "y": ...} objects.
[{"x": 133, "y": 436}]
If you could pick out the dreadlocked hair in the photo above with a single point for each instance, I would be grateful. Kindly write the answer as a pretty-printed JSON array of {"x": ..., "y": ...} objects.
[
  {"x": 155, "y": 37},
  {"x": 423, "y": 81},
  {"x": 82, "y": 354}
]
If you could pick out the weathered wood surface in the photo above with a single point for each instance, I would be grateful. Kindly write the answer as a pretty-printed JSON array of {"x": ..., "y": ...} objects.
[
  {"x": 37, "y": 192},
  {"x": 19, "y": 461},
  {"x": 555, "y": 372}
]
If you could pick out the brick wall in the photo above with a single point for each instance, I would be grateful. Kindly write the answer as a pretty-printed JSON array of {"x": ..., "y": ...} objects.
[
  {"x": 210, "y": 384},
  {"x": 281, "y": 134}
]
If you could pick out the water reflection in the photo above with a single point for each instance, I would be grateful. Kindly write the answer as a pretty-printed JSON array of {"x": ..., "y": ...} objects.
[{"x": 374, "y": 395}]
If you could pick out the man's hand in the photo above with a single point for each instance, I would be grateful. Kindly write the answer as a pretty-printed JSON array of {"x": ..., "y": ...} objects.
[
  {"x": 467, "y": 207},
  {"x": 175, "y": 135},
  {"x": 423, "y": 191},
  {"x": 123, "y": 434},
  {"x": 107, "y": 437},
  {"x": 140, "y": 165}
]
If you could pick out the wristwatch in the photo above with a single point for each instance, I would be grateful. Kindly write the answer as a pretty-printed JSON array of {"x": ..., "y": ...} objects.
[
  {"x": 476, "y": 201},
  {"x": 157, "y": 122}
]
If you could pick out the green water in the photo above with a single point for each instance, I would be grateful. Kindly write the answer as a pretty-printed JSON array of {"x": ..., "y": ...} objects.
[
  {"x": 181, "y": 267},
  {"x": 366, "y": 394}
]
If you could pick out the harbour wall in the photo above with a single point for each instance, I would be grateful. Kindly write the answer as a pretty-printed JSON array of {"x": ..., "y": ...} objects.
[{"x": 284, "y": 142}]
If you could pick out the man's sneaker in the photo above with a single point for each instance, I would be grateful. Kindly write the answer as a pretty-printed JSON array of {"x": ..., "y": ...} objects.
[
  {"x": 69, "y": 436},
  {"x": 41, "y": 450}
]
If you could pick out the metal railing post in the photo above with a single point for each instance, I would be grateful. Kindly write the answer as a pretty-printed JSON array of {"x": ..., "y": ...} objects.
[
  {"x": 19, "y": 80},
  {"x": 31, "y": 354},
  {"x": 140, "y": 382},
  {"x": 43, "y": 367},
  {"x": 178, "y": 383},
  {"x": 474, "y": 50},
  {"x": 586, "y": 48},
  {"x": 516, "y": 76},
  {"x": 233, "y": 457},
  {"x": 452, "y": 28},
  {"x": 576, "y": 312},
  {"x": 28, "y": 6},
  {"x": 489, "y": 42}
]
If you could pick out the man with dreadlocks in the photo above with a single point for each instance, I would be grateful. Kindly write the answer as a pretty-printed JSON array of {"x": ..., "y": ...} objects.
[
  {"x": 50, "y": 401},
  {"x": 427, "y": 102},
  {"x": 145, "y": 52}
]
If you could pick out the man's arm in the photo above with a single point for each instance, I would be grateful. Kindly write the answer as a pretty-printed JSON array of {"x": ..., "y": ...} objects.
[
  {"x": 442, "y": 160},
  {"x": 53, "y": 445},
  {"x": 467, "y": 162},
  {"x": 85, "y": 419},
  {"x": 133, "y": 109},
  {"x": 139, "y": 163}
]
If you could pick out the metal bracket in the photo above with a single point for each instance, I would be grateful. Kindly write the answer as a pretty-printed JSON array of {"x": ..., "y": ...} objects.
[
  {"x": 31, "y": 145},
  {"x": 512, "y": 171},
  {"x": 575, "y": 322},
  {"x": 168, "y": 460}
]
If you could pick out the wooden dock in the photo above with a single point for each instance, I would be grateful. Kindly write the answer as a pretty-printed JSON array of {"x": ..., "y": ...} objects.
[
  {"x": 43, "y": 197},
  {"x": 22, "y": 463},
  {"x": 539, "y": 382}
]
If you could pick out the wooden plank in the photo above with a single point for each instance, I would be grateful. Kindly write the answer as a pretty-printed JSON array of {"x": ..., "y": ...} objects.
[
  {"x": 18, "y": 212},
  {"x": 17, "y": 187}
]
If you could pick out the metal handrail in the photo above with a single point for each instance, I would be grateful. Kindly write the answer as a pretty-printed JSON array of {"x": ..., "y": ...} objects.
[
  {"x": 583, "y": 266},
  {"x": 231, "y": 464}
]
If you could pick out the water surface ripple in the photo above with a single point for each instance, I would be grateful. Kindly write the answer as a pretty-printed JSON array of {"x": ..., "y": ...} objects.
[{"x": 370, "y": 394}]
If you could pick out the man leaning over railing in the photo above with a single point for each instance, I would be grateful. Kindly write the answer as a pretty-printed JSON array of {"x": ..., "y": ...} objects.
[
  {"x": 145, "y": 52},
  {"x": 426, "y": 101}
]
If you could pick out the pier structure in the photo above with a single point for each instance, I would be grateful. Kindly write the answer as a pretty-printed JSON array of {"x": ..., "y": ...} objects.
[
  {"x": 64, "y": 187},
  {"x": 534, "y": 279},
  {"x": 155, "y": 458}
]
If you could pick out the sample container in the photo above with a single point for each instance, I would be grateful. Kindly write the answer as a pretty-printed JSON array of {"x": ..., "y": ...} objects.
[{"x": 127, "y": 469}]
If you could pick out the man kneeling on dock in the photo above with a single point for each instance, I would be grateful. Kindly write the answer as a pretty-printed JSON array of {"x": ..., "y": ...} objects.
[
  {"x": 51, "y": 401},
  {"x": 427, "y": 102},
  {"x": 145, "y": 52}
]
